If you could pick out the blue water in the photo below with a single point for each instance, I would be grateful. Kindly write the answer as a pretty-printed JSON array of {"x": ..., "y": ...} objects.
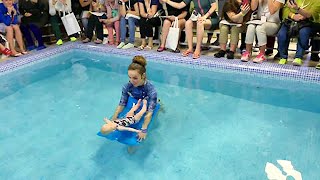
[{"x": 212, "y": 125}]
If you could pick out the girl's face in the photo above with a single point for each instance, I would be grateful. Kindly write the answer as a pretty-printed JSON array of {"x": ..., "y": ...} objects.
[
  {"x": 136, "y": 78},
  {"x": 7, "y": 3}
]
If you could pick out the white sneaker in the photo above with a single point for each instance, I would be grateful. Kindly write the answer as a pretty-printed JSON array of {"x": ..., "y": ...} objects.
[
  {"x": 121, "y": 45},
  {"x": 128, "y": 46}
]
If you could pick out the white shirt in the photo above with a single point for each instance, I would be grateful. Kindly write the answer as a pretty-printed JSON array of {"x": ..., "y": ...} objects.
[{"x": 263, "y": 10}]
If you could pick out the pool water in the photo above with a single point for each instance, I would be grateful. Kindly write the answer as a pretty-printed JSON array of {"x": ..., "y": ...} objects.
[{"x": 211, "y": 125}]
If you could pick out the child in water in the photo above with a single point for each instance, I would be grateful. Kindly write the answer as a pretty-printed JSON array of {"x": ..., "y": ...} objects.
[{"x": 123, "y": 123}]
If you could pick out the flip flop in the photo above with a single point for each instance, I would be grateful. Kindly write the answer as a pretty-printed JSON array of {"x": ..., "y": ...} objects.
[
  {"x": 186, "y": 53},
  {"x": 16, "y": 55},
  {"x": 24, "y": 52},
  {"x": 196, "y": 56},
  {"x": 318, "y": 66},
  {"x": 140, "y": 48},
  {"x": 148, "y": 48}
]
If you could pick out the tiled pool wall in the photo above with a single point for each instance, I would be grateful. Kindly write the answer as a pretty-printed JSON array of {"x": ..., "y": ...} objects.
[{"x": 273, "y": 70}]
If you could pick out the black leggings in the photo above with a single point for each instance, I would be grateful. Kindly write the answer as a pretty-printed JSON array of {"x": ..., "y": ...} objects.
[{"x": 146, "y": 26}]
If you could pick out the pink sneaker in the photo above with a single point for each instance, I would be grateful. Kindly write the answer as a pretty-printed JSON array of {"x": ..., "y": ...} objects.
[
  {"x": 245, "y": 56},
  {"x": 260, "y": 58}
]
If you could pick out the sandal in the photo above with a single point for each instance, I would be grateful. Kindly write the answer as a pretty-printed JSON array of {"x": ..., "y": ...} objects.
[
  {"x": 140, "y": 48},
  {"x": 86, "y": 40},
  {"x": 160, "y": 49},
  {"x": 318, "y": 66},
  {"x": 148, "y": 48},
  {"x": 186, "y": 53},
  {"x": 24, "y": 52},
  {"x": 6, "y": 51},
  {"x": 196, "y": 56},
  {"x": 16, "y": 55},
  {"x": 98, "y": 41}
]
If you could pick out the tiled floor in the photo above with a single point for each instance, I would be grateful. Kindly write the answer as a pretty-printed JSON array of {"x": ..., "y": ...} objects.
[{"x": 213, "y": 49}]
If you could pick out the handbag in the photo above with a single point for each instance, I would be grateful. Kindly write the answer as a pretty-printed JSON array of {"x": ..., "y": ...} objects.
[
  {"x": 173, "y": 35},
  {"x": 70, "y": 23}
]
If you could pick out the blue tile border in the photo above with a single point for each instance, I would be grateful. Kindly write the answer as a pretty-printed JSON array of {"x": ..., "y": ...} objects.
[{"x": 273, "y": 70}]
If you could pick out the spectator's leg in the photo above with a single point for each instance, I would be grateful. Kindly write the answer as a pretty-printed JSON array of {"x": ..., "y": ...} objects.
[
  {"x": 117, "y": 29},
  {"x": 283, "y": 42},
  {"x": 270, "y": 45},
  {"x": 110, "y": 34},
  {"x": 38, "y": 35},
  {"x": 189, "y": 35},
  {"x": 165, "y": 30},
  {"x": 90, "y": 27},
  {"x": 84, "y": 20},
  {"x": 143, "y": 32},
  {"x": 18, "y": 36},
  {"x": 27, "y": 35},
  {"x": 315, "y": 44},
  {"x": 303, "y": 41},
  {"x": 154, "y": 22},
  {"x": 123, "y": 29},
  {"x": 132, "y": 23},
  {"x": 9, "y": 37},
  {"x": 250, "y": 35},
  {"x": 99, "y": 29},
  {"x": 54, "y": 21}
]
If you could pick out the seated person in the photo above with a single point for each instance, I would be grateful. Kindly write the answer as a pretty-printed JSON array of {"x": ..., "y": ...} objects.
[
  {"x": 9, "y": 16},
  {"x": 112, "y": 21},
  {"x": 297, "y": 23},
  {"x": 236, "y": 13},
  {"x": 123, "y": 123}
]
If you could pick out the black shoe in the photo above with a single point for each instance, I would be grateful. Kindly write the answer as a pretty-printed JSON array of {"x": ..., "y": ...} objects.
[
  {"x": 220, "y": 54},
  {"x": 314, "y": 57},
  {"x": 277, "y": 56},
  {"x": 230, "y": 55},
  {"x": 269, "y": 52}
]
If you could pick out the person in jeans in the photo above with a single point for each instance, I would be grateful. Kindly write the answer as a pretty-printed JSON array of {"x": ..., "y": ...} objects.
[
  {"x": 268, "y": 25},
  {"x": 236, "y": 13},
  {"x": 129, "y": 12},
  {"x": 298, "y": 12}
]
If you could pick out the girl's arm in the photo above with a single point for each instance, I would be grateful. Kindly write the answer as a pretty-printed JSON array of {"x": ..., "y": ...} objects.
[
  {"x": 182, "y": 15},
  {"x": 274, "y": 6},
  {"x": 254, "y": 4},
  {"x": 142, "y": 11},
  {"x": 211, "y": 10},
  {"x": 179, "y": 5},
  {"x": 238, "y": 18}
]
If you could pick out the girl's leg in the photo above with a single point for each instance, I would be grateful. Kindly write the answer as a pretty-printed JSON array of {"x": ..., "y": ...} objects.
[
  {"x": 117, "y": 29},
  {"x": 200, "y": 32},
  {"x": 123, "y": 29},
  {"x": 303, "y": 41},
  {"x": 110, "y": 34},
  {"x": 9, "y": 36},
  {"x": 18, "y": 36},
  {"x": 189, "y": 34},
  {"x": 132, "y": 23},
  {"x": 165, "y": 30}
]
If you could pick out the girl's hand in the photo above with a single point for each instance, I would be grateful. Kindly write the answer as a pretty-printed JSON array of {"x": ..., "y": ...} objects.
[
  {"x": 141, "y": 136},
  {"x": 245, "y": 9},
  {"x": 27, "y": 14},
  {"x": 298, "y": 17},
  {"x": 201, "y": 19},
  {"x": 171, "y": 18}
]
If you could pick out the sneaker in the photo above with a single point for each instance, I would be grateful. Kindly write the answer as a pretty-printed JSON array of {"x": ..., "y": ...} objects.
[
  {"x": 245, "y": 56},
  {"x": 30, "y": 48},
  {"x": 220, "y": 54},
  {"x": 41, "y": 47},
  {"x": 73, "y": 39},
  {"x": 59, "y": 42},
  {"x": 260, "y": 58},
  {"x": 121, "y": 45},
  {"x": 128, "y": 46},
  {"x": 230, "y": 55},
  {"x": 297, "y": 62},
  {"x": 282, "y": 61}
]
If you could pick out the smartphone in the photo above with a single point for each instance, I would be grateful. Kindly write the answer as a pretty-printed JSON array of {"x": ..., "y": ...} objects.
[{"x": 244, "y": 2}]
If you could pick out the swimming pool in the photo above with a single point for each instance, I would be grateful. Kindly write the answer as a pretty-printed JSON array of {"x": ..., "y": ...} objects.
[{"x": 216, "y": 123}]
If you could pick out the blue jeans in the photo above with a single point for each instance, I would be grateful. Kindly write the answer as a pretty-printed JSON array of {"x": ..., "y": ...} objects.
[
  {"x": 284, "y": 40},
  {"x": 132, "y": 23}
]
